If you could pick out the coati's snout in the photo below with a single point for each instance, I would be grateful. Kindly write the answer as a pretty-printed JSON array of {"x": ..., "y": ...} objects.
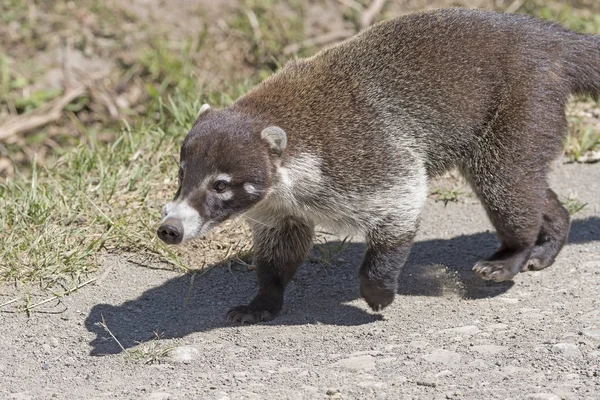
[
  {"x": 225, "y": 169},
  {"x": 171, "y": 231}
]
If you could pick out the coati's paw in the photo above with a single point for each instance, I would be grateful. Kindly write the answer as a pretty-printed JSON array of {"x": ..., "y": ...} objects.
[
  {"x": 497, "y": 271},
  {"x": 541, "y": 257},
  {"x": 376, "y": 295},
  {"x": 534, "y": 264},
  {"x": 246, "y": 315}
]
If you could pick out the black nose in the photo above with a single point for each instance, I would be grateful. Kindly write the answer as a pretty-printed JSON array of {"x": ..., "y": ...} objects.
[{"x": 171, "y": 231}]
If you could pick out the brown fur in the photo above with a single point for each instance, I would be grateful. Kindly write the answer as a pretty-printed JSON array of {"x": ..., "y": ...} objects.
[{"x": 370, "y": 120}]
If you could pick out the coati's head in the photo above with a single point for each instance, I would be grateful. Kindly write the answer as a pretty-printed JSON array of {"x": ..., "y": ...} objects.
[{"x": 226, "y": 167}]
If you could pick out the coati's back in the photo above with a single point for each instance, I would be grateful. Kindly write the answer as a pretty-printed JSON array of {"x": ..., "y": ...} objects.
[{"x": 429, "y": 82}]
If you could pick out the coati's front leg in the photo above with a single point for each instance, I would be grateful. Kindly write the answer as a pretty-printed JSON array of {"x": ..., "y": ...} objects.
[
  {"x": 381, "y": 268},
  {"x": 390, "y": 238},
  {"x": 279, "y": 250}
]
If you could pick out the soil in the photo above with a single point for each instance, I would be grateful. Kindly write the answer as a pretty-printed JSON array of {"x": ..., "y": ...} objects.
[{"x": 447, "y": 335}]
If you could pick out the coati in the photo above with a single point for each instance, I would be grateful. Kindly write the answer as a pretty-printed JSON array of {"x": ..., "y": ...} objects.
[{"x": 348, "y": 139}]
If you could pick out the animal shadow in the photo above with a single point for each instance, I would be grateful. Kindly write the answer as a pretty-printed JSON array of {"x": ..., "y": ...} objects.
[{"x": 318, "y": 294}]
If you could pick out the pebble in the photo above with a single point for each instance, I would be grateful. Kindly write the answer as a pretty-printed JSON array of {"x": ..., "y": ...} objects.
[
  {"x": 443, "y": 374},
  {"x": 54, "y": 342},
  {"x": 20, "y": 396},
  {"x": 221, "y": 396},
  {"x": 360, "y": 363},
  {"x": 372, "y": 384},
  {"x": 183, "y": 354},
  {"x": 488, "y": 349},
  {"x": 441, "y": 356},
  {"x": 478, "y": 364},
  {"x": 427, "y": 383},
  {"x": 159, "y": 396},
  {"x": 497, "y": 327},
  {"x": 592, "y": 333},
  {"x": 543, "y": 396},
  {"x": 567, "y": 350},
  {"x": 463, "y": 330}
]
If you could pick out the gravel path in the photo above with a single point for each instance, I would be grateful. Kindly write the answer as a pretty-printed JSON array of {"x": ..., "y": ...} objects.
[{"x": 448, "y": 335}]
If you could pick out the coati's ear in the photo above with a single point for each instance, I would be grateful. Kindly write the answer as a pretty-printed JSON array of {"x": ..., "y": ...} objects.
[
  {"x": 276, "y": 138},
  {"x": 203, "y": 109}
]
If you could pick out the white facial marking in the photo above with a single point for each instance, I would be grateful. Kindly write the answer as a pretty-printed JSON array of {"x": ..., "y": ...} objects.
[
  {"x": 187, "y": 215},
  {"x": 227, "y": 195},
  {"x": 223, "y": 177},
  {"x": 210, "y": 179},
  {"x": 250, "y": 188}
]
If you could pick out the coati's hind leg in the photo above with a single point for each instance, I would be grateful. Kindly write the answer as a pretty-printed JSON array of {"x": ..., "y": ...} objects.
[
  {"x": 512, "y": 197},
  {"x": 279, "y": 250},
  {"x": 508, "y": 172},
  {"x": 553, "y": 233}
]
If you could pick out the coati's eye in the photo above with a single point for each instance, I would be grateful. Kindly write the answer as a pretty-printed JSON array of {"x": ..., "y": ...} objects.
[{"x": 220, "y": 186}]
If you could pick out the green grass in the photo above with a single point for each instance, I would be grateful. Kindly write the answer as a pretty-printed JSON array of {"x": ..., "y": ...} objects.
[
  {"x": 104, "y": 196},
  {"x": 96, "y": 196},
  {"x": 573, "y": 204},
  {"x": 582, "y": 140},
  {"x": 269, "y": 26},
  {"x": 447, "y": 195},
  {"x": 573, "y": 18}
]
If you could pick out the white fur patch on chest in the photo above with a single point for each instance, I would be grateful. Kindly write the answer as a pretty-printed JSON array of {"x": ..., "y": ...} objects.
[{"x": 301, "y": 190}]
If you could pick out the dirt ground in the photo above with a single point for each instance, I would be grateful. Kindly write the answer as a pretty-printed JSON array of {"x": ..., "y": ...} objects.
[
  {"x": 447, "y": 335},
  {"x": 144, "y": 331}
]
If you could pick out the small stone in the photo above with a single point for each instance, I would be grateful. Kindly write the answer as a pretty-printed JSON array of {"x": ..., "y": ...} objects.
[
  {"x": 497, "y": 327},
  {"x": 463, "y": 330},
  {"x": 478, "y": 364},
  {"x": 508, "y": 300},
  {"x": 488, "y": 349},
  {"x": 54, "y": 342},
  {"x": 441, "y": 356},
  {"x": 427, "y": 383},
  {"x": 159, "y": 396},
  {"x": 360, "y": 363},
  {"x": 543, "y": 396},
  {"x": 20, "y": 396},
  {"x": 221, "y": 396},
  {"x": 45, "y": 366},
  {"x": 183, "y": 354},
  {"x": 592, "y": 333},
  {"x": 372, "y": 384},
  {"x": 443, "y": 374},
  {"x": 567, "y": 350},
  {"x": 46, "y": 347}
]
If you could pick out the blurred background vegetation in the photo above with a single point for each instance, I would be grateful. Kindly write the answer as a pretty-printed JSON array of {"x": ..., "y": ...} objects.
[{"x": 95, "y": 97}]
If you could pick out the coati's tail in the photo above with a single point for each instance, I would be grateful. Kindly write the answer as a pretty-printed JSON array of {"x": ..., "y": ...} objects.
[{"x": 583, "y": 65}]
